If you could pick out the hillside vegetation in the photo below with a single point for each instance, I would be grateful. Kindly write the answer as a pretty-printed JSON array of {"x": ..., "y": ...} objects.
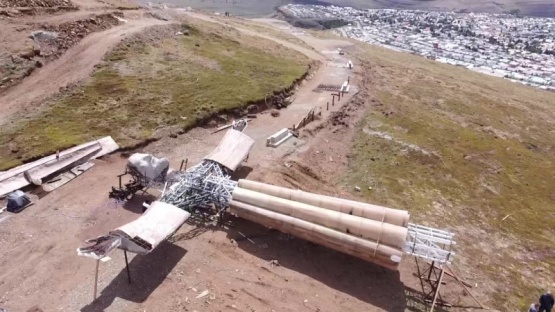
[
  {"x": 467, "y": 152},
  {"x": 157, "y": 79}
]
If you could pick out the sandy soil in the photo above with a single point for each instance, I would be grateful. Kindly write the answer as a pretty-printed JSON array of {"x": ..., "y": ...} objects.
[{"x": 40, "y": 268}]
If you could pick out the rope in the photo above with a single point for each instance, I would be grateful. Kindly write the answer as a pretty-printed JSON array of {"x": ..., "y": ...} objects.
[{"x": 381, "y": 233}]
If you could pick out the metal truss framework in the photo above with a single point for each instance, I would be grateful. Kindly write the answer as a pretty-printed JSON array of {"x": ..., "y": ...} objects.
[
  {"x": 202, "y": 186},
  {"x": 429, "y": 243}
]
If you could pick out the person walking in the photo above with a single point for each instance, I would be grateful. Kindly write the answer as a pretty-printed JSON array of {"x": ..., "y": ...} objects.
[{"x": 546, "y": 302}]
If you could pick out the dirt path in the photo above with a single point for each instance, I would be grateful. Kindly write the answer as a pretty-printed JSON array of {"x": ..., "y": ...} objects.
[
  {"x": 309, "y": 53},
  {"x": 40, "y": 267},
  {"x": 73, "y": 66}
]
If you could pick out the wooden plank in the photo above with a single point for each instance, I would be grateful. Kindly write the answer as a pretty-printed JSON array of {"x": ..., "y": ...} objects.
[
  {"x": 465, "y": 288},
  {"x": 65, "y": 177},
  {"x": 437, "y": 289},
  {"x": 453, "y": 276}
]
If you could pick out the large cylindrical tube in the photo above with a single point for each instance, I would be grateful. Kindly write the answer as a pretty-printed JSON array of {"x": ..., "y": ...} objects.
[
  {"x": 377, "y": 231},
  {"x": 367, "y": 250},
  {"x": 368, "y": 211}
]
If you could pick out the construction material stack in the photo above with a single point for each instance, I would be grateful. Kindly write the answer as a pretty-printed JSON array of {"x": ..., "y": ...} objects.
[{"x": 372, "y": 233}]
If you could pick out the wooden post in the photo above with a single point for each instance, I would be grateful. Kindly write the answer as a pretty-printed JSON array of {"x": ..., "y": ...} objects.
[
  {"x": 437, "y": 288},
  {"x": 430, "y": 272},
  {"x": 464, "y": 286},
  {"x": 328, "y": 106},
  {"x": 127, "y": 267},
  {"x": 333, "y": 100},
  {"x": 95, "y": 278}
]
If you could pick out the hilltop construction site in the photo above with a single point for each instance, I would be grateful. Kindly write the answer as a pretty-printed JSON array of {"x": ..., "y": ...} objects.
[{"x": 167, "y": 159}]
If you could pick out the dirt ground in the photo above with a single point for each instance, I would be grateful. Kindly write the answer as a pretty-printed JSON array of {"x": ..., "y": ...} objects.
[
  {"x": 40, "y": 269},
  {"x": 72, "y": 66}
]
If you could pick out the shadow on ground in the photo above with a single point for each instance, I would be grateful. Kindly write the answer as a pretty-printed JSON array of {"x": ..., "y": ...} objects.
[
  {"x": 370, "y": 283},
  {"x": 147, "y": 273},
  {"x": 135, "y": 204},
  {"x": 241, "y": 173}
]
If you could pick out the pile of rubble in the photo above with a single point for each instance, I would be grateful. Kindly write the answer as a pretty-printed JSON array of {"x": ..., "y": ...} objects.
[
  {"x": 70, "y": 33},
  {"x": 50, "y": 42},
  {"x": 35, "y": 3}
]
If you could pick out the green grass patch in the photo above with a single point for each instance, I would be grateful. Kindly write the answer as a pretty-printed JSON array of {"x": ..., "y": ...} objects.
[
  {"x": 148, "y": 84},
  {"x": 489, "y": 153}
]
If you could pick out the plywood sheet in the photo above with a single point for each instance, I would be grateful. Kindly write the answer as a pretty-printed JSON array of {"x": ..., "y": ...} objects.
[
  {"x": 155, "y": 225},
  {"x": 232, "y": 150},
  {"x": 65, "y": 177},
  {"x": 15, "y": 179}
]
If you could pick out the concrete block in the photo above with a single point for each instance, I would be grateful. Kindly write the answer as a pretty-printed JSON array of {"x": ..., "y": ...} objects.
[
  {"x": 345, "y": 87},
  {"x": 279, "y": 137}
]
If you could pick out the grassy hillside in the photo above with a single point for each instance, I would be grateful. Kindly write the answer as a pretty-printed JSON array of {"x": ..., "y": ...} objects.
[
  {"x": 154, "y": 80},
  {"x": 468, "y": 152}
]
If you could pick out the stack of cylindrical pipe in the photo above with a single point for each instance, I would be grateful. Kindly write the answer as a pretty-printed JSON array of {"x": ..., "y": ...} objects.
[{"x": 372, "y": 233}]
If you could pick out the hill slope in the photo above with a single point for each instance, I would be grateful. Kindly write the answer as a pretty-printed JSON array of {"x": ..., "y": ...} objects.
[
  {"x": 167, "y": 76},
  {"x": 468, "y": 152}
]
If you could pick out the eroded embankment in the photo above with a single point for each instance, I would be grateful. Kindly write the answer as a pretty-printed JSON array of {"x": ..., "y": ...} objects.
[
  {"x": 50, "y": 41},
  {"x": 175, "y": 76}
]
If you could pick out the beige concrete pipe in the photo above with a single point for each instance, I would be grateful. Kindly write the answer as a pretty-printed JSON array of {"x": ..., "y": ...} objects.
[
  {"x": 364, "y": 249},
  {"x": 387, "y": 234},
  {"x": 368, "y": 211}
]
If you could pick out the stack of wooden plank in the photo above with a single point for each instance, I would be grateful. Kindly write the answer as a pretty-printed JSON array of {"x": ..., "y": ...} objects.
[{"x": 373, "y": 233}]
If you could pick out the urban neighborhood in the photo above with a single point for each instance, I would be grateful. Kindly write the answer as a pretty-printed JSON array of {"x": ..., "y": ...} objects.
[{"x": 521, "y": 49}]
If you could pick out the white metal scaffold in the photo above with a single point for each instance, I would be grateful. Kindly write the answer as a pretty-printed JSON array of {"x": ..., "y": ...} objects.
[{"x": 429, "y": 243}]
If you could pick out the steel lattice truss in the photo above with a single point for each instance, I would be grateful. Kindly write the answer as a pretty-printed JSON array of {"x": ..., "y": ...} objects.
[
  {"x": 205, "y": 185},
  {"x": 429, "y": 243}
]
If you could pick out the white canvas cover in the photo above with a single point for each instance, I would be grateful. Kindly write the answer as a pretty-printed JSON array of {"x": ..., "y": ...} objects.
[
  {"x": 149, "y": 166},
  {"x": 140, "y": 236},
  {"x": 155, "y": 225},
  {"x": 232, "y": 149}
]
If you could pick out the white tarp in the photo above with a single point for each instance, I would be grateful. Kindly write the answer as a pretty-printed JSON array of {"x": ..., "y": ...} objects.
[
  {"x": 149, "y": 166},
  {"x": 33, "y": 172},
  {"x": 232, "y": 149},
  {"x": 154, "y": 226},
  {"x": 140, "y": 236}
]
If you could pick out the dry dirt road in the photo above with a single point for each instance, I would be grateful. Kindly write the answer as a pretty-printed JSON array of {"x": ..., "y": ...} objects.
[
  {"x": 39, "y": 267},
  {"x": 74, "y": 65}
]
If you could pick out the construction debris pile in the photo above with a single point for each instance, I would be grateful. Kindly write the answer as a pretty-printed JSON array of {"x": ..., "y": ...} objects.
[
  {"x": 49, "y": 43},
  {"x": 70, "y": 33},
  {"x": 205, "y": 185}
]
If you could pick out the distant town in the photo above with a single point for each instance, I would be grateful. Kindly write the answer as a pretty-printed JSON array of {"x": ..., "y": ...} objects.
[{"x": 521, "y": 49}]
